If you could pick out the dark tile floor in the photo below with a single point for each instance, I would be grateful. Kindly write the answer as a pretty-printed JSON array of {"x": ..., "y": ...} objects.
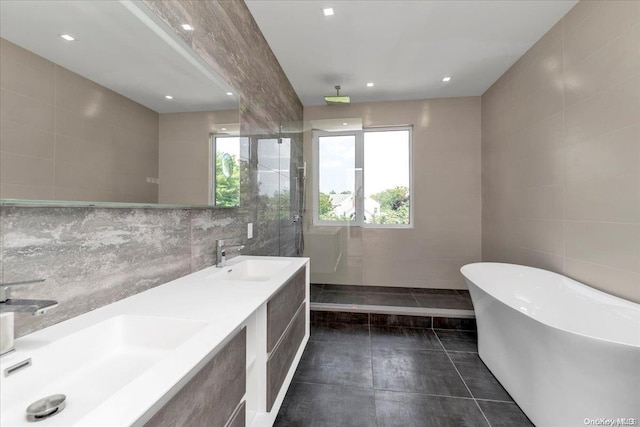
[
  {"x": 369, "y": 373},
  {"x": 390, "y": 296}
]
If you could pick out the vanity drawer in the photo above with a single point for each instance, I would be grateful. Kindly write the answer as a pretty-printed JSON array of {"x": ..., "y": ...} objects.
[
  {"x": 282, "y": 356},
  {"x": 283, "y": 306},
  {"x": 211, "y": 397}
]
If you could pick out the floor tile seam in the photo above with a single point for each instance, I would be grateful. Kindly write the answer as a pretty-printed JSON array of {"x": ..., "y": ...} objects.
[
  {"x": 335, "y": 385},
  {"x": 336, "y": 323},
  {"x": 361, "y": 288},
  {"x": 340, "y": 323},
  {"x": 323, "y": 322},
  {"x": 496, "y": 400},
  {"x": 404, "y": 327},
  {"x": 420, "y": 394},
  {"x": 341, "y": 342},
  {"x": 464, "y": 382},
  {"x": 354, "y": 344},
  {"x": 471, "y": 364},
  {"x": 367, "y": 292},
  {"x": 407, "y": 349},
  {"x": 461, "y": 351},
  {"x": 415, "y": 350},
  {"x": 454, "y": 330}
]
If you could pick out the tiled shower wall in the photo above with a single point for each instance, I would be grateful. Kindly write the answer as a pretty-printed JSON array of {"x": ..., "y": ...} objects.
[
  {"x": 561, "y": 152},
  {"x": 94, "y": 256},
  {"x": 446, "y": 200}
]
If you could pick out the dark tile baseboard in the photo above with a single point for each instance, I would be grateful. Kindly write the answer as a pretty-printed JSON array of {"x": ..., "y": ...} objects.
[
  {"x": 339, "y": 317},
  {"x": 378, "y": 319},
  {"x": 455, "y": 323}
]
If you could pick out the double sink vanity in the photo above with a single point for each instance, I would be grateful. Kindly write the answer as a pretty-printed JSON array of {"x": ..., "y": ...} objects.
[{"x": 217, "y": 347}]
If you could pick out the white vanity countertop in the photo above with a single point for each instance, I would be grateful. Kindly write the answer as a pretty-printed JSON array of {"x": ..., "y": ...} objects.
[{"x": 202, "y": 296}]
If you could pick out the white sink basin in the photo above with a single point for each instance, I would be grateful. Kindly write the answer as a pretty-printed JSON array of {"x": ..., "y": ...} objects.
[
  {"x": 254, "y": 270},
  {"x": 91, "y": 365}
]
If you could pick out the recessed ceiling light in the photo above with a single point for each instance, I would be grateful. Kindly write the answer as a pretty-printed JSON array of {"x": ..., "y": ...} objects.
[
  {"x": 187, "y": 27},
  {"x": 168, "y": 97},
  {"x": 344, "y": 124},
  {"x": 370, "y": 84},
  {"x": 224, "y": 129},
  {"x": 68, "y": 37},
  {"x": 230, "y": 93},
  {"x": 328, "y": 11},
  {"x": 446, "y": 79}
]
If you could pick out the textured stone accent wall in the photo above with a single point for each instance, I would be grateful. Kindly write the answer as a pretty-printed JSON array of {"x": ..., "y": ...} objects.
[
  {"x": 227, "y": 37},
  {"x": 92, "y": 257}
]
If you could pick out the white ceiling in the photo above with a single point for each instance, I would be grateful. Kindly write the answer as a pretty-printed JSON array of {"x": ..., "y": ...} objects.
[
  {"x": 404, "y": 47},
  {"x": 121, "y": 46}
]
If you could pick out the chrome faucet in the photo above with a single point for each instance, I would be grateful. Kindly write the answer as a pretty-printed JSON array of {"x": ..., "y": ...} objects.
[
  {"x": 221, "y": 252},
  {"x": 9, "y": 306}
]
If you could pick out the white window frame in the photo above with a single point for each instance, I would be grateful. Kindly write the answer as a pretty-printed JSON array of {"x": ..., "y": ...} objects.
[{"x": 359, "y": 176}]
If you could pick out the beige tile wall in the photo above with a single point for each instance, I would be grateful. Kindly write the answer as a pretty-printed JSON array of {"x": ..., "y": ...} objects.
[
  {"x": 561, "y": 152},
  {"x": 184, "y": 154},
  {"x": 64, "y": 137},
  {"x": 446, "y": 197}
]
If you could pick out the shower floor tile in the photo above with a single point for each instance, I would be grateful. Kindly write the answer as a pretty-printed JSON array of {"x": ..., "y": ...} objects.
[
  {"x": 361, "y": 298},
  {"x": 456, "y": 302},
  {"x": 368, "y": 289},
  {"x": 368, "y": 370},
  {"x": 391, "y": 296}
]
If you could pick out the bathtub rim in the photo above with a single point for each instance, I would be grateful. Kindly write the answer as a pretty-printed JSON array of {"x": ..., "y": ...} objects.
[{"x": 633, "y": 305}]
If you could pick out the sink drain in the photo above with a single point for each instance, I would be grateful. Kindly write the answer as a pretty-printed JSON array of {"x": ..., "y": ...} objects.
[{"x": 46, "y": 407}]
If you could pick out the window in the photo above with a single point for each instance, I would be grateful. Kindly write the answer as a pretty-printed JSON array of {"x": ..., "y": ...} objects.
[
  {"x": 363, "y": 177},
  {"x": 224, "y": 189}
]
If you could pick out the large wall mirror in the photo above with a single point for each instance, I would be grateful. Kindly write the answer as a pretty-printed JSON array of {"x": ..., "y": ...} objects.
[{"x": 102, "y": 102}]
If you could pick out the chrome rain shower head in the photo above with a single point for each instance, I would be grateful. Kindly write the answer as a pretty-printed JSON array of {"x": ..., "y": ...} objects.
[{"x": 337, "y": 99}]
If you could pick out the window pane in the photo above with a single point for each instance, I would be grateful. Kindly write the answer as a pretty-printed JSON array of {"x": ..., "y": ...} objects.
[
  {"x": 336, "y": 173},
  {"x": 386, "y": 177},
  {"x": 227, "y": 171}
]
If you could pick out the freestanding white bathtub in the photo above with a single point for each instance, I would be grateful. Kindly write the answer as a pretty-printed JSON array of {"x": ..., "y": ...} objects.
[{"x": 568, "y": 354}]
